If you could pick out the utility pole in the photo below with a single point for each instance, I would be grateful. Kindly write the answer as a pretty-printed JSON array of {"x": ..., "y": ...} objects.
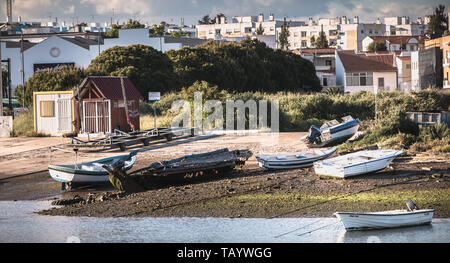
[
  {"x": 1, "y": 82},
  {"x": 23, "y": 72}
]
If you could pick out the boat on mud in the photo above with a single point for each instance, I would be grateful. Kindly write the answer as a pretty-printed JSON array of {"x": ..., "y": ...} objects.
[
  {"x": 331, "y": 133},
  {"x": 88, "y": 172},
  {"x": 293, "y": 160},
  {"x": 385, "y": 219},
  {"x": 356, "y": 163},
  {"x": 176, "y": 171}
]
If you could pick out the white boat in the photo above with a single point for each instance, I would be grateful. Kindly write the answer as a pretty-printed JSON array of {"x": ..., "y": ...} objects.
[
  {"x": 293, "y": 160},
  {"x": 356, "y": 163},
  {"x": 332, "y": 132},
  {"x": 88, "y": 172},
  {"x": 386, "y": 219}
]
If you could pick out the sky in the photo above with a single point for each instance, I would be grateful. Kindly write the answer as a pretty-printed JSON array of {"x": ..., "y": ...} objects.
[{"x": 171, "y": 11}]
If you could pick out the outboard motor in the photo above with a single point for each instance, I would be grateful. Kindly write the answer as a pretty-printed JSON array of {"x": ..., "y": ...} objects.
[
  {"x": 411, "y": 205},
  {"x": 314, "y": 134}
]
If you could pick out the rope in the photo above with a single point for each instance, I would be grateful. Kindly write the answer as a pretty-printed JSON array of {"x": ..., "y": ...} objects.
[
  {"x": 299, "y": 228},
  {"x": 309, "y": 232}
]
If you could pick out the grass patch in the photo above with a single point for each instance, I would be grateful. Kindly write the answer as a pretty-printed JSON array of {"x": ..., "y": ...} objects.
[{"x": 23, "y": 125}]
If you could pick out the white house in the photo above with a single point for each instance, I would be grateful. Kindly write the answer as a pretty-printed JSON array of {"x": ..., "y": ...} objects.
[
  {"x": 395, "y": 43},
  {"x": 325, "y": 63},
  {"x": 52, "y": 51},
  {"x": 365, "y": 72}
]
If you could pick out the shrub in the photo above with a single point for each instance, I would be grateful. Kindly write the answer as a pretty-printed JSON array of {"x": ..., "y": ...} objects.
[{"x": 23, "y": 125}]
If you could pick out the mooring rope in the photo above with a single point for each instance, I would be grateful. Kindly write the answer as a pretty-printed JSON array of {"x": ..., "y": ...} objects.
[
  {"x": 314, "y": 230},
  {"x": 286, "y": 233}
]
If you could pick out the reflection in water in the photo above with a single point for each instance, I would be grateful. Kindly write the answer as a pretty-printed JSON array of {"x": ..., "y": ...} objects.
[{"x": 20, "y": 224}]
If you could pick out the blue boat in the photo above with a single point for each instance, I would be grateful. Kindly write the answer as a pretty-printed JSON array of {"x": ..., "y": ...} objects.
[{"x": 332, "y": 132}]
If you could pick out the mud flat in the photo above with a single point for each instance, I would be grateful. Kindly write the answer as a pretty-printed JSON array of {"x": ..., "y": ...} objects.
[{"x": 250, "y": 192}]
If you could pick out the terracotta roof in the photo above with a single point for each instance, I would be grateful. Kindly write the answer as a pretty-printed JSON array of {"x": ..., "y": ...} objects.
[
  {"x": 399, "y": 39},
  {"x": 111, "y": 88},
  {"x": 362, "y": 62}
]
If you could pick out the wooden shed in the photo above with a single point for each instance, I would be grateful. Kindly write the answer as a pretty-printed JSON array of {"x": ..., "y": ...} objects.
[
  {"x": 100, "y": 105},
  {"x": 53, "y": 112}
]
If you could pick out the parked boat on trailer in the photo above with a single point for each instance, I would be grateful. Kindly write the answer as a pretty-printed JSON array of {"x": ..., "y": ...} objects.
[
  {"x": 385, "y": 219},
  {"x": 356, "y": 163},
  {"x": 88, "y": 172},
  {"x": 293, "y": 160},
  {"x": 332, "y": 132}
]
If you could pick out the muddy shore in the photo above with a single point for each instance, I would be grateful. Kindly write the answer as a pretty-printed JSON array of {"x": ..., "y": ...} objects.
[{"x": 250, "y": 192}]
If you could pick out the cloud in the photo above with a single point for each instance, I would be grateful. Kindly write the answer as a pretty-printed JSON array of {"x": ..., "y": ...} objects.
[
  {"x": 132, "y": 7},
  {"x": 192, "y": 10},
  {"x": 70, "y": 10}
]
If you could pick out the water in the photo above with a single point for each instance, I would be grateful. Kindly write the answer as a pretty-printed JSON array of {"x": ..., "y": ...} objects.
[{"x": 18, "y": 223}]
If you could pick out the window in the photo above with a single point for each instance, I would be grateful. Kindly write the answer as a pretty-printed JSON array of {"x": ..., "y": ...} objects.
[
  {"x": 359, "y": 79},
  {"x": 380, "y": 82},
  {"x": 47, "y": 108},
  {"x": 408, "y": 66},
  {"x": 325, "y": 82},
  {"x": 304, "y": 43},
  {"x": 327, "y": 62},
  {"x": 303, "y": 33}
]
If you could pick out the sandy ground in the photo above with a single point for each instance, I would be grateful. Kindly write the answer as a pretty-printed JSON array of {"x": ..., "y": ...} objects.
[{"x": 250, "y": 192}]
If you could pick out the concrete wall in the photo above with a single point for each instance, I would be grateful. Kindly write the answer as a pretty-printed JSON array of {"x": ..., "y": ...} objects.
[{"x": 390, "y": 80}]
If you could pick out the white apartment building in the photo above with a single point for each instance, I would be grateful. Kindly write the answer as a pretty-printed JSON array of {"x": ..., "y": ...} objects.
[
  {"x": 401, "y": 26},
  {"x": 341, "y": 32},
  {"x": 47, "y": 52},
  {"x": 241, "y": 26}
]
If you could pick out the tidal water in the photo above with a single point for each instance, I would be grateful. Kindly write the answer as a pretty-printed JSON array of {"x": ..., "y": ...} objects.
[{"x": 19, "y": 223}]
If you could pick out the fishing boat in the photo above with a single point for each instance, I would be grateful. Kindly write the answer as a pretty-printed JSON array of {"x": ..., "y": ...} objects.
[
  {"x": 88, "y": 172},
  {"x": 293, "y": 160},
  {"x": 356, "y": 163},
  {"x": 385, "y": 219},
  {"x": 177, "y": 171},
  {"x": 332, "y": 132}
]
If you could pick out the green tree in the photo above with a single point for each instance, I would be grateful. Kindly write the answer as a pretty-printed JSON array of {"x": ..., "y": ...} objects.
[
  {"x": 148, "y": 68},
  {"x": 114, "y": 31},
  {"x": 205, "y": 20},
  {"x": 158, "y": 30},
  {"x": 312, "y": 40},
  {"x": 284, "y": 35},
  {"x": 321, "y": 41},
  {"x": 245, "y": 66},
  {"x": 260, "y": 30},
  {"x": 438, "y": 22},
  {"x": 65, "y": 78},
  {"x": 377, "y": 46},
  {"x": 131, "y": 24},
  {"x": 178, "y": 33}
]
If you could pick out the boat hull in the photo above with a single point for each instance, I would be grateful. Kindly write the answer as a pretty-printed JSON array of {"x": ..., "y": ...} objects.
[
  {"x": 336, "y": 136},
  {"x": 380, "y": 220},
  {"x": 69, "y": 174},
  {"x": 343, "y": 171},
  {"x": 67, "y": 177},
  {"x": 291, "y": 164}
]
